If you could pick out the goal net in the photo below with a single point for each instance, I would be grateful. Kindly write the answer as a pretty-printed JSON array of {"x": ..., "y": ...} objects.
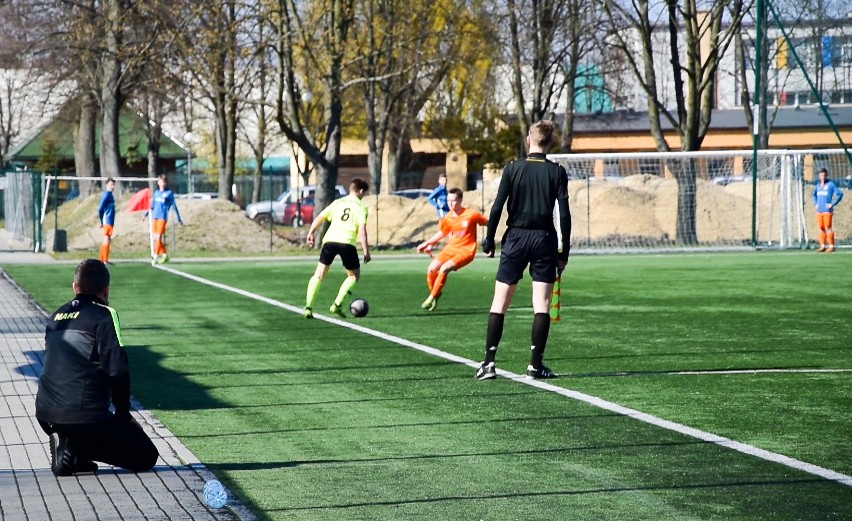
[
  {"x": 683, "y": 200},
  {"x": 69, "y": 210}
]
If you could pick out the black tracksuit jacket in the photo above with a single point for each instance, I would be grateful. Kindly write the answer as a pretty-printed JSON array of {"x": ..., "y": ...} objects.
[{"x": 85, "y": 365}]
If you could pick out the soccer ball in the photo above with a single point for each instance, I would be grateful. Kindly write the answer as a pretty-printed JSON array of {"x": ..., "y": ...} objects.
[{"x": 359, "y": 307}]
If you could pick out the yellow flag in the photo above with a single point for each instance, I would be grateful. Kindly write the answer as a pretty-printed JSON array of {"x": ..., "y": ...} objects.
[{"x": 555, "y": 296}]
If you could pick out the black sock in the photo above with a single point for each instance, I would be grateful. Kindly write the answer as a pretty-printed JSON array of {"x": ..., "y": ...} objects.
[
  {"x": 493, "y": 335},
  {"x": 540, "y": 331}
]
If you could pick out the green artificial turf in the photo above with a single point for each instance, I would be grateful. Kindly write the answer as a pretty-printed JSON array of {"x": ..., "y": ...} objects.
[{"x": 309, "y": 420}]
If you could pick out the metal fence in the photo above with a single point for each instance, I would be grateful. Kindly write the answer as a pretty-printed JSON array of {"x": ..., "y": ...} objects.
[{"x": 21, "y": 211}]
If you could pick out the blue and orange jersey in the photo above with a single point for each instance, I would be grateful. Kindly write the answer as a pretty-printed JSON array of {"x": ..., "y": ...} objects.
[
  {"x": 461, "y": 229},
  {"x": 826, "y": 194},
  {"x": 162, "y": 201},
  {"x": 106, "y": 208}
]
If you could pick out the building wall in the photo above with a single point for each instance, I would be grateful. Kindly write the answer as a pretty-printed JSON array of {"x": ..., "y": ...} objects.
[
  {"x": 715, "y": 140},
  {"x": 826, "y": 51}
]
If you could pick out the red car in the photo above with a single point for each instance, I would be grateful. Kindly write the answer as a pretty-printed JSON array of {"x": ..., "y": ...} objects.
[{"x": 299, "y": 217}]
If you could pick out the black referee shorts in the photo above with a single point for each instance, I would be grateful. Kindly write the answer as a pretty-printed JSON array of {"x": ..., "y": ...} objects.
[
  {"x": 534, "y": 248},
  {"x": 348, "y": 254}
]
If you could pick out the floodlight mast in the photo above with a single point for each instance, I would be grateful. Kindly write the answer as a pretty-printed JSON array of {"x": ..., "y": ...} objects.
[{"x": 759, "y": 101}]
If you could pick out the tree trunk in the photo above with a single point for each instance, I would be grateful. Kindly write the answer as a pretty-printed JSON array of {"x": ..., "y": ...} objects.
[
  {"x": 154, "y": 135},
  {"x": 84, "y": 143},
  {"x": 327, "y": 172},
  {"x": 685, "y": 174},
  {"x": 111, "y": 98}
]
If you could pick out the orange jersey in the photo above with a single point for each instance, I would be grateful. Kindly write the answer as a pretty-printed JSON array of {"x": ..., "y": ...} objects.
[{"x": 462, "y": 230}]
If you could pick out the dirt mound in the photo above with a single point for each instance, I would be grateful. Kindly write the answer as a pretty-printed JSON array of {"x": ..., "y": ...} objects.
[
  {"x": 209, "y": 226},
  {"x": 636, "y": 210}
]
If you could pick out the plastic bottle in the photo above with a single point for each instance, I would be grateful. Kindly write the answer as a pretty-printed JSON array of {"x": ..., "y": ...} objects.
[{"x": 214, "y": 494}]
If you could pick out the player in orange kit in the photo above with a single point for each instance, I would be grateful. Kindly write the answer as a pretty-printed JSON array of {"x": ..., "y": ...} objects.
[{"x": 460, "y": 224}]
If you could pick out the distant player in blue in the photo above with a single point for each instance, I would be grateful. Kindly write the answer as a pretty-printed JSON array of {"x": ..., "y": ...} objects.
[
  {"x": 438, "y": 197},
  {"x": 162, "y": 201},
  {"x": 826, "y": 196},
  {"x": 106, "y": 216}
]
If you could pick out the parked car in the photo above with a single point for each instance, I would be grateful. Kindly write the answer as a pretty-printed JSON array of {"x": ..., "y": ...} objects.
[
  {"x": 261, "y": 211},
  {"x": 412, "y": 193},
  {"x": 297, "y": 214},
  {"x": 724, "y": 180},
  {"x": 205, "y": 196}
]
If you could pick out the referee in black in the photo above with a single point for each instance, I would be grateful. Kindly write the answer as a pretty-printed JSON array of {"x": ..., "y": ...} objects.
[
  {"x": 85, "y": 369},
  {"x": 532, "y": 187}
]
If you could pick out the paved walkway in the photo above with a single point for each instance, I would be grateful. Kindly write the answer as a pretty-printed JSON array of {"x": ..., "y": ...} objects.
[{"x": 28, "y": 489}]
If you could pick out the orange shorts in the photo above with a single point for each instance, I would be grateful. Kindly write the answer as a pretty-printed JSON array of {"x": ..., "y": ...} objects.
[
  {"x": 106, "y": 229},
  {"x": 460, "y": 259},
  {"x": 159, "y": 226},
  {"x": 824, "y": 220}
]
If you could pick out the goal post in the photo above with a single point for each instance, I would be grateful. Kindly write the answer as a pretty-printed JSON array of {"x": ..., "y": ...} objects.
[
  {"x": 700, "y": 200},
  {"x": 70, "y": 209}
]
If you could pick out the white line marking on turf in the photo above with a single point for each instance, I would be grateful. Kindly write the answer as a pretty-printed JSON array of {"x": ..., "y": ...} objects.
[{"x": 591, "y": 400}]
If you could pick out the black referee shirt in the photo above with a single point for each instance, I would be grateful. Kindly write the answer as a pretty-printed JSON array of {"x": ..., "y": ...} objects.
[
  {"x": 85, "y": 366},
  {"x": 532, "y": 187}
]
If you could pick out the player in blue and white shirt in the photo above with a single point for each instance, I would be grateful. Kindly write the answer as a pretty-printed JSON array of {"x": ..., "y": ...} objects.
[
  {"x": 106, "y": 216},
  {"x": 162, "y": 201},
  {"x": 438, "y": 197},
  {"x": 826, "y": 196}
]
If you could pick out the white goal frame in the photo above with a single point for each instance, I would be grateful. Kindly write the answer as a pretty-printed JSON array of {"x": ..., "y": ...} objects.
[{"x": 630, "y": 201}]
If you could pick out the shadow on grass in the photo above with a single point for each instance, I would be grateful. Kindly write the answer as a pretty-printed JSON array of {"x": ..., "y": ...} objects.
[
  {"x": 158, "y": 387},
  {"x": 685, "y": 372},
  {"x": 325, "y": 370},
  {"x": 529, "y": 452},
  {"x": 487, "y": 421},
  {"x": 556, "y": 493},
  {"x": 415, "y": 399}
]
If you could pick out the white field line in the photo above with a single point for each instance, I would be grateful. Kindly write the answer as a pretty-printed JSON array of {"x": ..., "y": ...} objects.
[{"x": 591, "y": 400}]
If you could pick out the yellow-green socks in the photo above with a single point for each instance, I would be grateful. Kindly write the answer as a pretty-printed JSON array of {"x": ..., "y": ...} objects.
[
  {"x": 345, "y": 289},
  {"x": 313, "y": 288}
]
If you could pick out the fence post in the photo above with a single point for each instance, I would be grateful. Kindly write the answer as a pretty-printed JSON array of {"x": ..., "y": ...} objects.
[{"x": 36, "y": 180}]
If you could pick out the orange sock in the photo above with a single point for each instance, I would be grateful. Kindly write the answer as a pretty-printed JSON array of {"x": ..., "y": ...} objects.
[
  {"x": 831, "y": 239},
  {"x": 822, "y": 236},
  {"x": 430, "y": 279},
  {"x": 159, "y": 249},
  {"x": 438, "y": 287},
  {"x": 104, "y": 253}
]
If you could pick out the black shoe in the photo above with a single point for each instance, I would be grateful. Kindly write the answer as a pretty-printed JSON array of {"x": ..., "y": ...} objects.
[
  {"x": 541, "y": 373},
  {"x": 61, "y": 461},
  {"x": 486, "y": 371},
  {"x": 83, "y": 465}
]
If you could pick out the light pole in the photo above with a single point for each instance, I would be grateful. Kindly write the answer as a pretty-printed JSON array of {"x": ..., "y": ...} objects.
[{"x": 187, "y": 138}]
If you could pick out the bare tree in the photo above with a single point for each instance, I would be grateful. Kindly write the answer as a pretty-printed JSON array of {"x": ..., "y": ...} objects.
[
  {"x": 212, "y": 53},
  {"x": 399, "y": 66},
  {"x": 310, "y": 46},
  {"x": 101, "y": 47},
  {"x": 817, "y": 28},
  {"x": 255, "y": 127},
  {"x": 18, "y": 79},
  {"x": 662, "y": 26}
]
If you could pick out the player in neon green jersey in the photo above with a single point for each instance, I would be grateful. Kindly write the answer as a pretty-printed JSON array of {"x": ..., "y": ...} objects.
[{"x": 348, "y": 218}]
